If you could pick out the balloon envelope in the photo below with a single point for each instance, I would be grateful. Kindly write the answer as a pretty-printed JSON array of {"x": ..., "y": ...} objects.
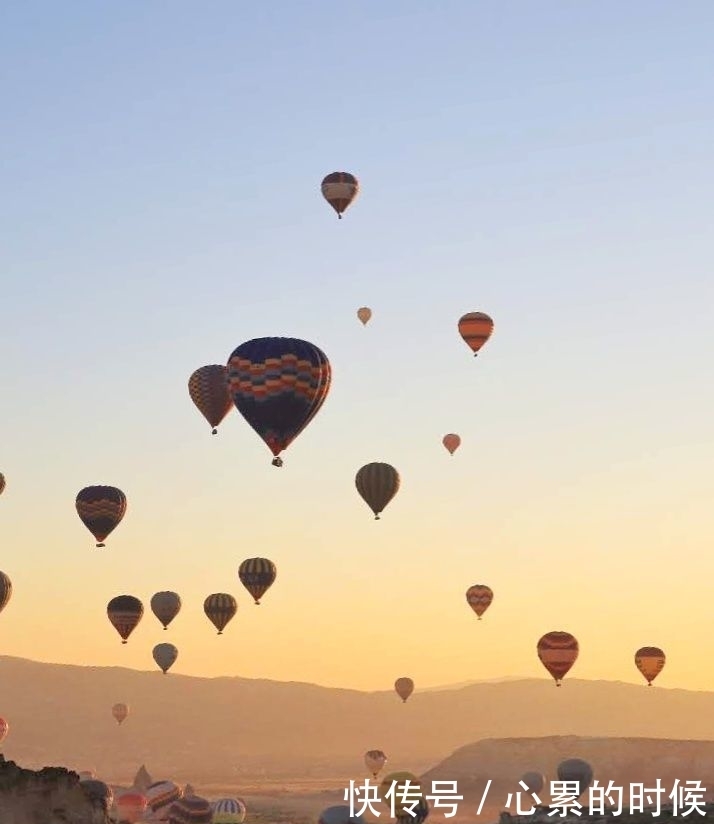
[
  {"x": 650, "y": 662},
  {"x": 339, "y": 189},
  {"x": 220, "y": 609},
  {"x": 451, "y": 442},
  {"x": 228, "y": 811},
  {"x": 125, "y": 612},
  {"x": 166, "y": 606},
  {"x": 165, "y": 656},
  {"x": 475, "y": 328},
  {"x": 257, "y": 575},
  {"x": 364, "y": 314},
  {"x": 120, "y": 712},
  {"x": 374, "y": 761},
  {"x": 190, "y": 809},
  {"x": 4, "y": 729},
  {"x": 278, "y": 385},
  {"x": 479, "y": 598},
  {"x": 558, "y": 651},
  {"x": 377, "y": 483},
  {"x": 575, "y": 769},
  {"x": 535, "y": 781},
  {"x": 101, "y": 509},
  {"x": 404, "y": 687},
  {"x": 5, "y": 590},
  {"x": 208, "y": 388}
]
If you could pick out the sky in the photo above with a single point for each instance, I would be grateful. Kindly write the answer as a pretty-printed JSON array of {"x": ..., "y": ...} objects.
[{"x": 546, "y": 163}]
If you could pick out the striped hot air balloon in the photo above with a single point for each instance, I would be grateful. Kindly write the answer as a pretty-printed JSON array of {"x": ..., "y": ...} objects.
[
  {"x": 340, "y": 190},
  {"x": 377, "y": 483},
  {"x": 228, "y": 811},
  {"x": 2, "y": 483},
  {"x": 5, "y": 590},
  {"x": 125, "y": 612},
  {"x": 404, "y": 687},
  {"x": 101, "y": 509},
  {"x": 161, "y": 794},
  {"x": 166, "y": 606},
  {"x": 650, "y": 662},
  {"x": 191, "y": 809},
  {"x": 558, "y": 651},
  {"x": 278, "y": 385},
  {"x": 220, "y": 609},
  {"x": 4, "y": 729},
  {"x": 257, "y": 576},
  {"x": 475, "y": 328},
  {"x": 208, "y": 388},
  {"x": 479, "y": 598}
]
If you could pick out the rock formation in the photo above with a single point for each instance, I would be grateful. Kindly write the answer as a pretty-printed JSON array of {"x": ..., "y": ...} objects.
[{"x": 52, "y": 795}]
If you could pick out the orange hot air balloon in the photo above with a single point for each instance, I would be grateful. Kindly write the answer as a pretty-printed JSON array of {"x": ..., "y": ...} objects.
[
  {"x": 120, "y": 712},
  {"x": 404, "y": 687},
  {"x": 364, "y": 314},
  {"x": 208, "y": 388},
  {"x": 475, "y": 328},
  {"x": 125, "y": 612},
  {"x": 131, "y": 807},
  {"x": 650, "y": 662},
  {"x": 340, "y": 189},
  {"x": 479, "y": 598},
  {"x": 558, "y": 651},
  {"x": 452, "y": 442}
]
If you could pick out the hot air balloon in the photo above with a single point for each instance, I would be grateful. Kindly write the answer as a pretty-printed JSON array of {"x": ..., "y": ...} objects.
[
  {"x": 364, "y": 314},
  {"x": 404, "y": 687},
  {"x": 475, "y": 328},
  {"x": 220, "y": 609},
  {"x": 120, "y": 712},
  {"x": 479, "y": 598},
  {"x": 278, "y": 385},
  {"x": 125, "y": 612},
  {"x": 165, "y": 656},
  {"x": 558, "y": 651},
  {"x": 452, "y": 442},
  {"x": 166, "y": 606},
  {"x": 650, "y": 662},
  {"x": 161, "y": 794},
  {"x": 534, "y": 781},
  {"x": 5, "y": 590},
  {"x": 4, "y": 729},
  {"x": 339, "y": 814},
  {"x": 191, "y": 809},
  {"x": 98, "y": 791},
  {"x": 101, "y": 509},
  {"x": 399, "y": 790},
  {"x": 418, "y": 815},
  {"x": 375, "y": 761},
  {"x": 208, "y": 389},
  {"x": 228, "y": 811},
  {"x": 377, "y": 483},
  {"x": 339, "y": 189},
  {"x": 2, "y": 483},
  {"x": 130, "y": 807},
  {"x": 257, "y": 576},
  {"x": 575, "y": 769}
]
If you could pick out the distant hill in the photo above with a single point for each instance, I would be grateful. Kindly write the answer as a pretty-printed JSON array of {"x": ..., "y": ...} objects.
[{"x": 218, "y": 729}]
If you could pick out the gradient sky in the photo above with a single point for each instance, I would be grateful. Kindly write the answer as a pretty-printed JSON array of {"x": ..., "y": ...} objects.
[{"x": 549, "y": 163}]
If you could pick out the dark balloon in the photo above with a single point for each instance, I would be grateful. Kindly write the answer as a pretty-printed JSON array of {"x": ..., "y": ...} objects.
[
  {"x": 125, "y": 612},
  {"x": 101, "y": 509}
]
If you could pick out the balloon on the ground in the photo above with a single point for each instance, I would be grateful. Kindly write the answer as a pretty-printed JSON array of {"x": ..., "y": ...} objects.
[
  {"x": 130, "y": 807},
  {"x": 228, "y": 811},
  {"x": 191, "y": 809},
  {"x": 339, "y": 814},
  {"x": 161, "y": 794},
  {"x": 278, "y": 385}
]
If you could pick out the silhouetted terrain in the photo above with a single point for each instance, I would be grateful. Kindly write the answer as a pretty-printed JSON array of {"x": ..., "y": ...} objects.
[{"x": 266, "y": 732}]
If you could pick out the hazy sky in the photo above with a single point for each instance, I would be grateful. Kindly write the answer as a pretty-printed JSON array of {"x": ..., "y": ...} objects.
[{"x": 549, "y": 163}]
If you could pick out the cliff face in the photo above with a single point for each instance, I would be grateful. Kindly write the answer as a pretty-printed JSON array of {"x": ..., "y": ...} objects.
[{"x": 52, "y": 795}]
